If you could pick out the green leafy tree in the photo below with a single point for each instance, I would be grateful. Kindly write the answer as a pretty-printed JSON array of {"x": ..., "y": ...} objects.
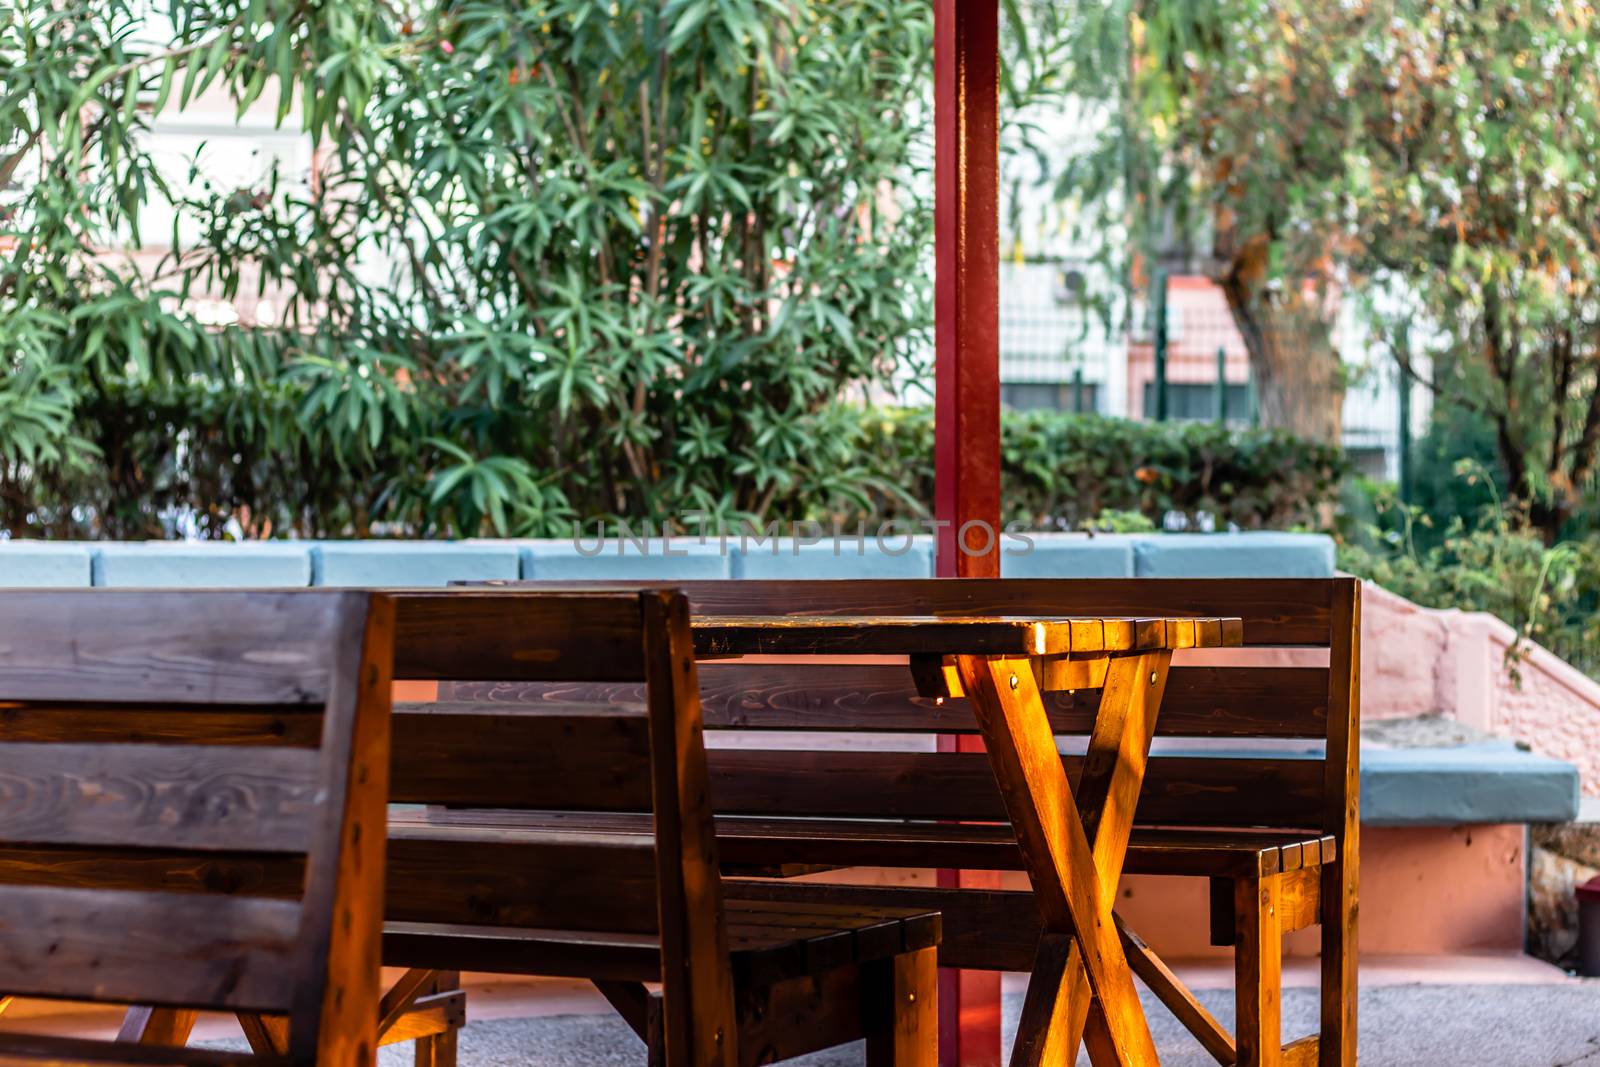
[
  {"x": 1440, "y": 156},
  {"x": 1220, "y": 148},
  {"x": 630, "y": 257},
  {"x": 1480, "y": 202}
]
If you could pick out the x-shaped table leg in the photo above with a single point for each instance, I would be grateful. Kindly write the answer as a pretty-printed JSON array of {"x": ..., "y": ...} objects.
[{"x": 1074, "y": 851}]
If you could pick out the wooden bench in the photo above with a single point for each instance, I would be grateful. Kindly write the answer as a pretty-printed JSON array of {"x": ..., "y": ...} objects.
[
  {"x": 744, "y": 980},
  {"x": 1276, "y": 832},
  {"x": 89, "y": 809}
]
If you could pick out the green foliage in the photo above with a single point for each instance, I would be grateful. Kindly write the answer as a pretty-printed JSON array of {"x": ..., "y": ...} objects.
[
  {"x": 1477, "y": 195},
  {"x": 1442, "y": 159},
  {"x": 1437, "y": 488},
  {"x": 1062, "y": 471},
  {"x": 1492, "y": 563},
  {"x": 629, "y": 256}
]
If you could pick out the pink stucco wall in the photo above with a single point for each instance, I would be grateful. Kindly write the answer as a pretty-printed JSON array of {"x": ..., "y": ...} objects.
[
  {"x": 1418, "y": 661},
  {"x": 1424, "y": 891}
]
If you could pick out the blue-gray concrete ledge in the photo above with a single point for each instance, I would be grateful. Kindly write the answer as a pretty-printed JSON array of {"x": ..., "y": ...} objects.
[
  {"x": 202, "y": 565},
  {"x": 895, "y": 557},
  {"x": 45, "y": 565},
  {"x": 1486, "y": 782},
  {"x": 36, "y": 564},
  {"x": 413, "y": 563},
  {"x": 683, "y": 559},
  {"x": 1070, "y": 555},
  {"x": 1255, "y": 554},
  {"x": 1490, "y": 781}
]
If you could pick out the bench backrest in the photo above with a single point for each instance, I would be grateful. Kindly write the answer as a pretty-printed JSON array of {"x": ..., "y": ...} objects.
[
  {"x": 107, "y": 699},
  {"x": 583, "y": 759},
  {"x": 1230, "y": 700}
]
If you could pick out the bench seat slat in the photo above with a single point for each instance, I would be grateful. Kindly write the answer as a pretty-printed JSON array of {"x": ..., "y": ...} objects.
[
  {"x": 768, "y": 942},
  {"x": 287, "y": 724},
  {"x": 596, "y": 759},
  {"x": 487, "y": 876},
  {"x": 37, "y": 1050},
  {"x": 757, "y": 842},
  {"x": 172, "y": 796},
  {"x": 231, "y": 952},
  {"x": 1178, "y": 790},
  {"x": 256, "y": 874},
  {"x": 1286, "y": 611},
  {"x": 82, "y": 645},
  {"x": 466, "y": 634},
  {"x": 1281, "y": 702}
]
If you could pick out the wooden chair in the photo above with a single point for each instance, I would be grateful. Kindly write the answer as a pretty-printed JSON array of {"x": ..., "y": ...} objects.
[
  {"x": 140, "y": 864},
  {"x": 742, "y": 981},
  {"x": 1276, "y": 832}
]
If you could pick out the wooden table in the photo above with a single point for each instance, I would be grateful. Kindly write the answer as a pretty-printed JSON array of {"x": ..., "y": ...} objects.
[{"x": 1073, "y": 852}]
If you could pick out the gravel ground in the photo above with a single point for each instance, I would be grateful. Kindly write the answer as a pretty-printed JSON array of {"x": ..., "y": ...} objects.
[{"x": 1401, "y": 1026}]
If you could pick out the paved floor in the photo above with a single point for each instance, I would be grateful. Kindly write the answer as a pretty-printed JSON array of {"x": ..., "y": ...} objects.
[
  {"x": 1466, "y": 1011},
  {"x": 1401, "y": 1026}
]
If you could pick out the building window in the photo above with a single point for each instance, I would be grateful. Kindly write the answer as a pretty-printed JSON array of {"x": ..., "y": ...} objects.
[
  {"x": 1187, "y": 400},
  {"x": 1050, "y": 396}
]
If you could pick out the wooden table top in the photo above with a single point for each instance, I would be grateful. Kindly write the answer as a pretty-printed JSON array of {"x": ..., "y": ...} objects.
[{"x": 993, "y": 635}]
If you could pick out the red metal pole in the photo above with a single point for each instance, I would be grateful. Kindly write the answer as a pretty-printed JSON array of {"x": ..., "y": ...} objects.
[
  {"x": 967, "y": 285},
  {"x": 966, "y": 49}
]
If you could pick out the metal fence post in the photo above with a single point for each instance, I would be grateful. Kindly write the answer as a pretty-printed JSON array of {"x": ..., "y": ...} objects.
[
  {"x": 1222, "y": 385},
  {"x": 1158, "y": 298},
  {"x": 1404, "y": 443}
]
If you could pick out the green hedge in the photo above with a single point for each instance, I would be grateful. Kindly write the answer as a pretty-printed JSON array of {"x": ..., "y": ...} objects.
[{"x": 1063, "y": 471}]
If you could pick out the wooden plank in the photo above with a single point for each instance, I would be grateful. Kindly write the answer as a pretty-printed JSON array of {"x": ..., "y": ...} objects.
[
  {"x": 1287, "y": 702},
  {"x": 1299, "y": 899},
  {"x": 464, "y": 634},
  {"x": 799, "y": 1016},
  {"x": 631, "y": 1000},
  {"x": 1107, "y": 793},
  {"x": 1171, "y": 991},
  {"x": 756, "y": 842},
  {"x": 986, "y": 929},
  {"x": 143, "y": 724},
  {"x": 1043, "y": 1018},
  {"x": 266, "y": 1034},
  {"x": 37, "y": 1050},
  {"x": 1060, "y": 862},
  {"x": 339, "y": 955},
  {"x": 909, "y": 1037},
  {"x": 397, "y": 999},
  {"x": 178, "y": 647},
  {"x": 903, "y": 635},
  {"x": 1293, "y": 611},
  {"x": 496, "y": 878},
  {"x": 1258, "y": 977},
  {"x": 1342, "y": 819},
  {"x": 158, "y": 796},
  {"x": 555, "y": 953},
  {"x": 149, "y": 948},
  {"x": 431, "y": 1015},
  {"x": 245, "y": 873},
  {"x": 1178, "y": 790},
  {"x": 146, "y": 1025},
  {"x": 595, "y": 759},
  {"x": 698, "y": 1024},
  {"x": 1302, "y": 1052}
]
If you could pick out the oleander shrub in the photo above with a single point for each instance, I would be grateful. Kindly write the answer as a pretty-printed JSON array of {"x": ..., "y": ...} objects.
[
  {"x": 1493, "y": 562},
  {"x": 1063, "y": 471},
  {"x": 559, "y": 258}
]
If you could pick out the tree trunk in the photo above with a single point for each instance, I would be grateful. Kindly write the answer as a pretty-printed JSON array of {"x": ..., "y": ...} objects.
[{"x": 1298, "y": 374}]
